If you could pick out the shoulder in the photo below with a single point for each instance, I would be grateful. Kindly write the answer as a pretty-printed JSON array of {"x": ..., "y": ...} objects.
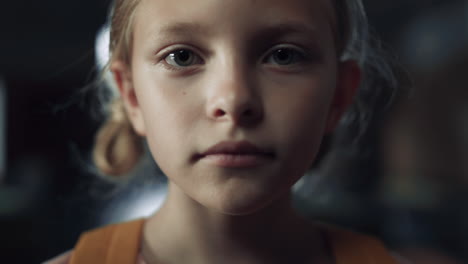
[
  {"x": 63, "y": 258},
  {"x": 114, "y": 243},
  {"x": 94, "y": 234},
  {"x": 351, "y": 247}
]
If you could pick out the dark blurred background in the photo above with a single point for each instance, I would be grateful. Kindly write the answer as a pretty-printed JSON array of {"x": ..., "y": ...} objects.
[{"x": 411, "y": 190}]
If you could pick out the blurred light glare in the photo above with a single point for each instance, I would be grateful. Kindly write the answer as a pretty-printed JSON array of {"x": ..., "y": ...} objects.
[
  {"x": 131, "y": 206},
  {"x": 147, "y": 205},
  {"x": 103, "y": 57},
  {"x": 102, "y": 47}
]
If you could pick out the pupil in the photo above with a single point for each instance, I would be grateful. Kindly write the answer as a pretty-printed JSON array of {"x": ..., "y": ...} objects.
[
  {"x": 283, "y": 56},
  {"x": 183, "y": 57}
]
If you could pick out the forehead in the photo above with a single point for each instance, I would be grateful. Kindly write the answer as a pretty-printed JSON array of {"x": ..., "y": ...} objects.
[{"x": 154, "y": 17}]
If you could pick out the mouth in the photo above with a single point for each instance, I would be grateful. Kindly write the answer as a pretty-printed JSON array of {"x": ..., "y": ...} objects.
[{"x": 236, "y": 154}]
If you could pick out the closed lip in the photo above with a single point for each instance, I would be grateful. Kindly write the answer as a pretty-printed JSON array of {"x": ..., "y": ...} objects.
[{"x": 236, "y": 148}]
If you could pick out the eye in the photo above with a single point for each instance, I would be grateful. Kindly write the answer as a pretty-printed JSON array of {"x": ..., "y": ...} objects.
[
  {"x": 182, "y": 58},
  {"x": 285, "y": 56}
]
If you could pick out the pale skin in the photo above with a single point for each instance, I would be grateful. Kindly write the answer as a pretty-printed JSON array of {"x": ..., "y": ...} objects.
[
  {"x": 262, "y": 71},
  {"x": 234, "y": 91}
]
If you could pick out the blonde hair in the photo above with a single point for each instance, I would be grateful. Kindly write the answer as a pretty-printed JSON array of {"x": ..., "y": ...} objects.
[{"x": 118, "y": 148}]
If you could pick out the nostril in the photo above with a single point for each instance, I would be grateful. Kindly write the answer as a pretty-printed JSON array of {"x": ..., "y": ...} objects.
[
  {"x": 248, "y": 112},
  {"x": 244, "y": 114},
  {"x": 219, "y": 113}
]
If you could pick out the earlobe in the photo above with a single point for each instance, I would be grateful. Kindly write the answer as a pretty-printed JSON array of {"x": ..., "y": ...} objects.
[
  {"x": 348, "y": 81},
  {"x": 123, "y": 80}
]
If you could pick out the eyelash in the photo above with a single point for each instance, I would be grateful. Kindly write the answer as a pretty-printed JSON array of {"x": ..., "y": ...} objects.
[{"x": 299, "y": 57}]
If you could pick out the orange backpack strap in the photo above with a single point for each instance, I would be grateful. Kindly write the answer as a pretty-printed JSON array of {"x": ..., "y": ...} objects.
[
  {"x": 113, "y": 244},
  {"x": 352, "y": 248}
]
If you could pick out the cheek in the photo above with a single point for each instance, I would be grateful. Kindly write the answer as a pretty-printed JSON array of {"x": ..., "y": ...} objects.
[
  {"x": 300, "y": 116},
  {"x": 169, "y": 113}
]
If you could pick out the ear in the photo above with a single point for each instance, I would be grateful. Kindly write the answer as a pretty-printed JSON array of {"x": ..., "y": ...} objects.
[
  {"x": 348, "y": 80},
  {"x": 123, "y": 79}
]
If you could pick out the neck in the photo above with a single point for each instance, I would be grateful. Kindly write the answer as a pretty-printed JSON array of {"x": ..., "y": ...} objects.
[{"x": 184, "y": 231}]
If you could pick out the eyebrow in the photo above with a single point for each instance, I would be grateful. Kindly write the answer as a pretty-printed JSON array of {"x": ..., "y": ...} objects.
[
  {"x": 286, "y": 29},
  {"x": 182, "y": 28},
  {"x": 267, "y": 31},
  {"x": 277, "y": 31}
]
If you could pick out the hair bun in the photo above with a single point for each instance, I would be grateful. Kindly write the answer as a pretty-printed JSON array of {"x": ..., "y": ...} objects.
[{"x": 117, "y": 147}]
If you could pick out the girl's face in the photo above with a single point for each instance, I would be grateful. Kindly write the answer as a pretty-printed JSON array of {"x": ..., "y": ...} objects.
[{"x": 246, "y": 73}]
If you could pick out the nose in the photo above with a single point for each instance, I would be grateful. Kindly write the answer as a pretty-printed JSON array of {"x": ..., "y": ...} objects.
[{"x": 234, "y": 97}]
